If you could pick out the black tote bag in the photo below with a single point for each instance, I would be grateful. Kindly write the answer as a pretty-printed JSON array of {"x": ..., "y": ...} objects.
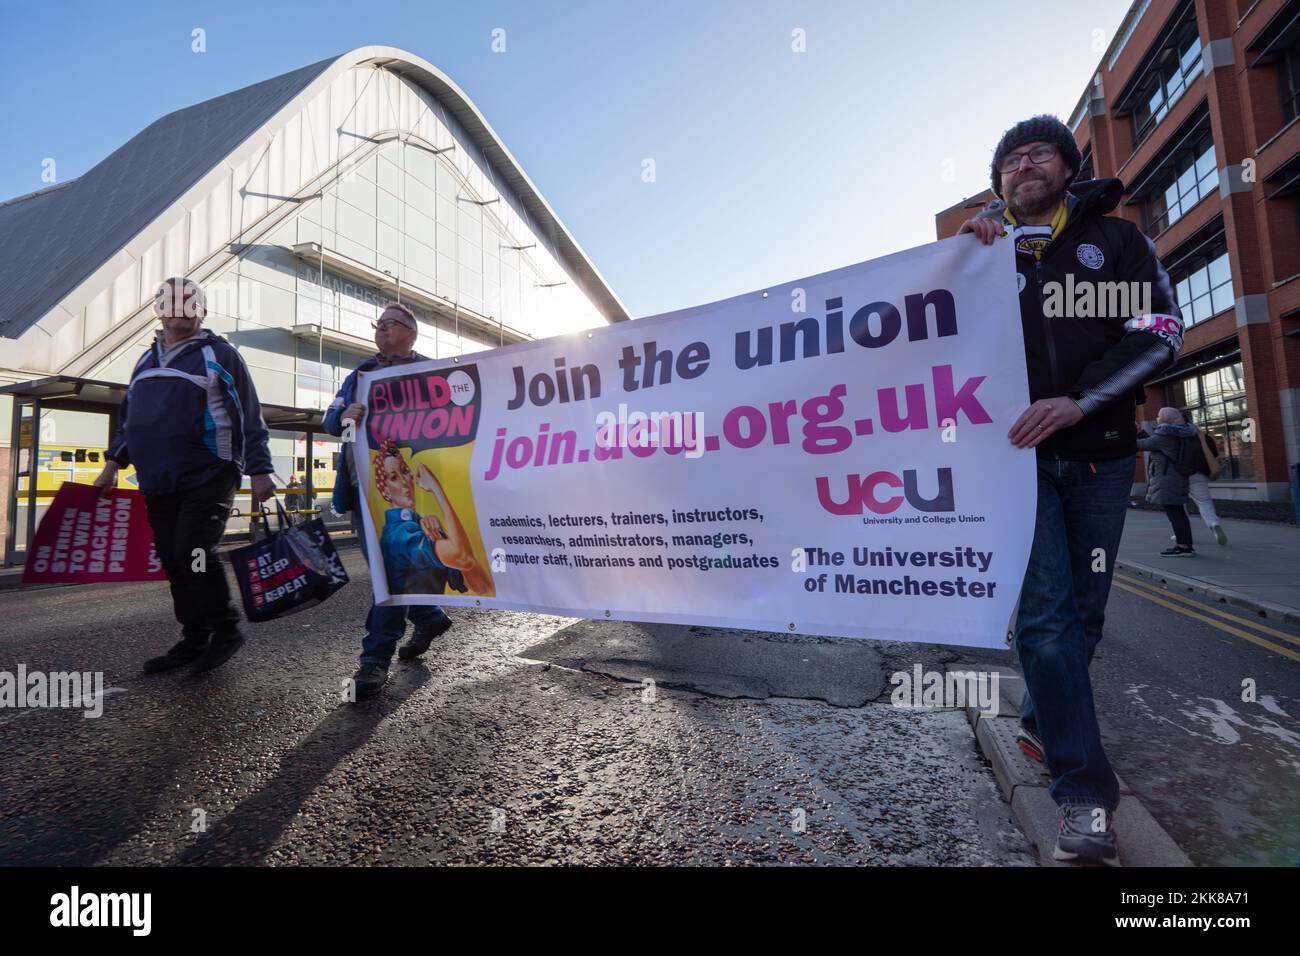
[{"x": 295, "y": 568}]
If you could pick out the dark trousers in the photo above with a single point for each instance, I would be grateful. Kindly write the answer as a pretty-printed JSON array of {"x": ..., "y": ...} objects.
[
  {"x": 193, "y": 520},
  {"x": 1080, "y": 519},
  {"x": 1182, "y": 527}
]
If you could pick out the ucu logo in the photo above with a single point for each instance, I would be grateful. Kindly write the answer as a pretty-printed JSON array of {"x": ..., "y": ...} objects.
[{"x": 864, "y": 493}]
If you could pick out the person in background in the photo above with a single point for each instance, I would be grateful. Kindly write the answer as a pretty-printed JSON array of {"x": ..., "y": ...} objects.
[
  {"x": 293, "y": 498},
  {"x": 1198, "y": 485},
  {"x": 191, "y": 424},
  {"x": 395, "y": 335},
  {"x": 1173, "y": 453}
]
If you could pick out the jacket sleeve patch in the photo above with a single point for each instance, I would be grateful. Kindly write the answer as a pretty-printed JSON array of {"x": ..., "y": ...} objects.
[{"x": 1168, "y": 328}]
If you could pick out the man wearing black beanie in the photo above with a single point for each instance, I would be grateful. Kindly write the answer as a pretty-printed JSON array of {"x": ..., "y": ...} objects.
[{"x": 1087, "y": 359}]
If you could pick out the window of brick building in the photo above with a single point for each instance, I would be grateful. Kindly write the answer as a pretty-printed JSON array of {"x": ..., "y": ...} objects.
[
  {"x": 1277, "y": 47},
  {"x": 1188, "y": 177},
  {"x": 1086, "y": 171},
  {"x": 1170, "y": 70},
  {"x": 1202, "y": 277},
  {"x": 1288, "y": 69},
  {"x": 1282, "y": 215}
]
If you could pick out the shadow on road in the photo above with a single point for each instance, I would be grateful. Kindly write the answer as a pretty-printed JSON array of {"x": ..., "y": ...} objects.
[{"x": 245, "y": 835}]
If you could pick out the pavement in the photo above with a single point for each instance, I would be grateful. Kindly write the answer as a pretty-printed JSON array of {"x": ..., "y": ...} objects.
[
  {"x": 1199, "y": 708},
  {"x": 1258, "y": 569}
]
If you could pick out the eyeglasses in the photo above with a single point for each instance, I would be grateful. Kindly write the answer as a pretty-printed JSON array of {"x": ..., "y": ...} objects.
[
  {"x": 387, "y": 324},
  {"x": 1038, "y": 155}
]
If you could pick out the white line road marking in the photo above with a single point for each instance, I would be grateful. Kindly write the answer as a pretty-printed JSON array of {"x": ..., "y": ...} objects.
[{"x": 85, "y": 702}]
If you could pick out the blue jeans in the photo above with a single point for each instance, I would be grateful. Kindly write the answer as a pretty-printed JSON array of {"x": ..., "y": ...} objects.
[
  {"x": 386, "y": 625},
  {"x": 1062, "y": 608}
]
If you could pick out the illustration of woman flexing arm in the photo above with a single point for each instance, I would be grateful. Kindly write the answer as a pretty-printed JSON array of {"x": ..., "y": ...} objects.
[{"x": 421, "y": 554}]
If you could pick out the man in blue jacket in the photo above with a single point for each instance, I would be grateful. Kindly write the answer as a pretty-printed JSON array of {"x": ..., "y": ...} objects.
[
  {"x": 191, "y": 425},
  {"x": 395, "y": 335}
]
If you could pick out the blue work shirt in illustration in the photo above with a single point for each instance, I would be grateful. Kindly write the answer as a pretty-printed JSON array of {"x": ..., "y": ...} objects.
[{"x": 410, "y": 559}]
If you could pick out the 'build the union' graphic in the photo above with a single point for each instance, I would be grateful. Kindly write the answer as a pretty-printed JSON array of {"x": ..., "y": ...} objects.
[{"x": 425, "y": 410}]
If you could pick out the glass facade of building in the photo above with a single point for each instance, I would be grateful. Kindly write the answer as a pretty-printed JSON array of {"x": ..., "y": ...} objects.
[
  {"x": 1203, "y": 284},
  {"x": 1179, "y": 63},
  {"x": 1194, "y": 177},
  {"x": 378, "y": 181},
  {"x": 412, "y": 216}
]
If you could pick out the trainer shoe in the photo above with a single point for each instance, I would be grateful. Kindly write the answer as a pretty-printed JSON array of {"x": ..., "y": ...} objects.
[
  {"x": 1087, "y": 835},
  {"x": 419, "y": 642},
  {"x": 187, "y": 650},
  {"x": 369, "y": 680},
  {"x": 1220, "y": 535},
  {"x": 1031, "y": 744},
  {"x": 1177, "y": 552},
  {"x": 221, "y": 649}
]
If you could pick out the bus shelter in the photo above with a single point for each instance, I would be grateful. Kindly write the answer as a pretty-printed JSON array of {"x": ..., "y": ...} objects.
[{"x": 61, "y": 426}]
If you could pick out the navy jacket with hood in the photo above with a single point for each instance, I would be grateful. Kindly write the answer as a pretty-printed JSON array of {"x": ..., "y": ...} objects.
[
  {"x": 345, "y": 486},
  {"x": 183, "y": 423}
]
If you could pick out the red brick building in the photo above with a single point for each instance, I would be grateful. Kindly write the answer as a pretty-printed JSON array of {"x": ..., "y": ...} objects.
[{"x": 1196, "y": 107}]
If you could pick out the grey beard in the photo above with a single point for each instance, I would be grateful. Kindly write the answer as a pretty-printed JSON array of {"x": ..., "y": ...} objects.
[{"x": 1033, "y": 208}]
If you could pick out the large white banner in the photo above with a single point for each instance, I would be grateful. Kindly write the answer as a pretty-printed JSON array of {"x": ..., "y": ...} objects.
[{"x": 828, "y": 456}]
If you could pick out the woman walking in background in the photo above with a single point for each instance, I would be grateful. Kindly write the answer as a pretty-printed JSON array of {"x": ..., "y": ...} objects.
[
  {"x": 1198, "y": 483},
  {"x": 1169, "y": 462}
]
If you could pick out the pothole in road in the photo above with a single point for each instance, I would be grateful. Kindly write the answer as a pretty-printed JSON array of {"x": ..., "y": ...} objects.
[{"x": 719, "y": 662}]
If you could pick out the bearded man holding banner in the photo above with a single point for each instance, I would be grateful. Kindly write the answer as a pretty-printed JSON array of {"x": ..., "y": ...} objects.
[
  {"x": 395, "y": 335},
  {"x": 1086, "y": 375}
]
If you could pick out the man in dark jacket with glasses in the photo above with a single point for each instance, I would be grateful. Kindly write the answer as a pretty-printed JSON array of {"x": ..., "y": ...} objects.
[
  {"x": 395, "y": 335},
  {"x": 1099, "y": 318}
]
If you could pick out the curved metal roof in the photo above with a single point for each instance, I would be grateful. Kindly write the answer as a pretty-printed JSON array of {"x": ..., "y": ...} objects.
[{"x": 53, "y": 240}]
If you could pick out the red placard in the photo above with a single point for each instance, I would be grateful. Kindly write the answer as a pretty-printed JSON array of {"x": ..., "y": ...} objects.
[{"x": 86, "y": 539}]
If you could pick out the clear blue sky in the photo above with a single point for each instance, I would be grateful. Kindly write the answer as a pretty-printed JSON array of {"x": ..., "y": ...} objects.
[{"x": 770, "y": 164}]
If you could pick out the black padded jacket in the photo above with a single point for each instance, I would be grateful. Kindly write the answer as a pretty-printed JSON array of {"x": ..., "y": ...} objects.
[{"x": 1096, "y": 352}]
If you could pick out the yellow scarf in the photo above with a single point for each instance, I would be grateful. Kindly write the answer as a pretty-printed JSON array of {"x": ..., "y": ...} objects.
[{"x": 1036, "y": 244}]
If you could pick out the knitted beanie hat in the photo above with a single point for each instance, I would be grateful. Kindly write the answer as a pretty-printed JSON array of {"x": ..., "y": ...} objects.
[{"x": 1039, "y": 129}]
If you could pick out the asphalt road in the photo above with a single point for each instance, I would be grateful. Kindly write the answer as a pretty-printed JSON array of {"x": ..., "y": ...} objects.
[
  {"x": 503, "y": 746},
  {"x": 1221, "y": 773},
  {"x": 529, "y": 739}
]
